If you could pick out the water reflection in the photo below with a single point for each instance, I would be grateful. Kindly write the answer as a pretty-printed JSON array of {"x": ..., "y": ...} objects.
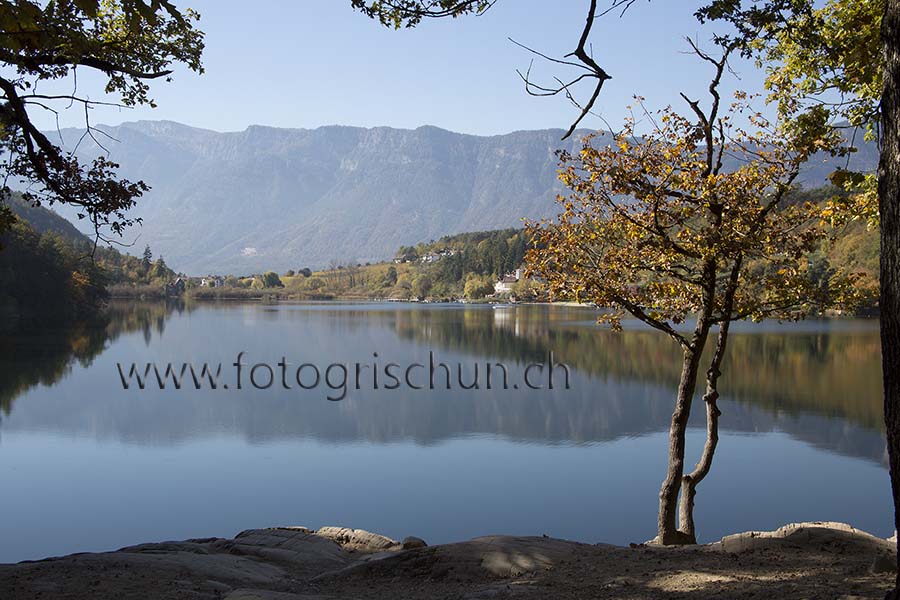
[
  {"x": 818, "y": 382},
  {"x": 88, "y": 466},
  {"x": 44, "y": 356},
  {"x": 829, "y": 368}
]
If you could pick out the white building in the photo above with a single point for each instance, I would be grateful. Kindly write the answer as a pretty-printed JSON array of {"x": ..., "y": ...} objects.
[
  {"x": 505, "y": 284},
  {"x": 212, "y": 282}
]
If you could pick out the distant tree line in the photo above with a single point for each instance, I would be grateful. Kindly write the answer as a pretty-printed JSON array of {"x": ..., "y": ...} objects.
[
  {"x": 124, "y": 269},
  {"x": 476, "y": 260},
  {"x": 51, "y": 272}
]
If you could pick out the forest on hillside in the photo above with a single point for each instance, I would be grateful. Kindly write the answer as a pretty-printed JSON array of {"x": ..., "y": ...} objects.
[
  {"x": 51, "y": 273},
  {"x": 50, "y": 265}
]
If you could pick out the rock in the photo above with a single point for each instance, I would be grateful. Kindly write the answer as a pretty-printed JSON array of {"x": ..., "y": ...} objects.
[
  {"x": 884, "y": 563},
  {"x": 293, "y": 563},
  {"x": 357, "y": 540},
  {"x": 811, "y": 534},
  {"x": 412, "y": 542},
  {"x": 488, "y": 557},
  {"x": 305, "y": 553}
]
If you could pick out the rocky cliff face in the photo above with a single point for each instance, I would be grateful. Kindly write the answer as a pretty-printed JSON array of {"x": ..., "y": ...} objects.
[{"x": 269, "y": 198}]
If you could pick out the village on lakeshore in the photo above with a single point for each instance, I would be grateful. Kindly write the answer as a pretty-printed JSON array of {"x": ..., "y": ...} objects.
[{"x": 465, "y": 268}]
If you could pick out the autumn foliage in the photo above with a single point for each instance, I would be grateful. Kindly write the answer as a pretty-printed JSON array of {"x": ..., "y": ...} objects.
[
  {"x": 661, "y": 226},
  {"x": 691, "y": 220}
]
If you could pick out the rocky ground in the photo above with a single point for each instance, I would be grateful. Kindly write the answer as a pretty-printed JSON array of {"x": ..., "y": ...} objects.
[{"x": 807, "y": 560}]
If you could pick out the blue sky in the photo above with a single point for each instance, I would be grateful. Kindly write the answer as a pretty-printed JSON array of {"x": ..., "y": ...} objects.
[{"x": 317, "y": 62}]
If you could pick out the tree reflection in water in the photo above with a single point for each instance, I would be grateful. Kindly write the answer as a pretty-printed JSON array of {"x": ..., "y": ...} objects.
[{"x": 818, "y": 382}]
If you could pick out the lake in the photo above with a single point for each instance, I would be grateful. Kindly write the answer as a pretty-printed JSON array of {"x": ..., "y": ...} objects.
[{"x": 89, "y": 466}]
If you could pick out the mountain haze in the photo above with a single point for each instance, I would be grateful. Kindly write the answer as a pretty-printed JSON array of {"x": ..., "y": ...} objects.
[{"x": 271, "y": 198}]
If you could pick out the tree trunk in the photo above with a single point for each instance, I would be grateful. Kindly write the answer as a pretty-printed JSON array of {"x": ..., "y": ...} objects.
[
  {"x": 889, "y": 206},
  {"x": 690, "y": 482},
  {"x": 668, "y": 496}
]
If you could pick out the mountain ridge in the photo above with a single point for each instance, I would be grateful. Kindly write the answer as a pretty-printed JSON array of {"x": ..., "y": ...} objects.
[{"x": 278, "y": 198}]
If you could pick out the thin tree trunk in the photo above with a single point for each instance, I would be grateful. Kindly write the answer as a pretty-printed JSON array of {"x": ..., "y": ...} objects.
[
  {"x": 667, "y": 527},
  {"x": 889, "y": 206},
  {"x": 690, "y": 482},
  {"x": 668, "y": 496}
]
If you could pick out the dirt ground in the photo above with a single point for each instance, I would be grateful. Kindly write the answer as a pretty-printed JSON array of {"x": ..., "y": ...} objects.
[{"x": 807, "y": 560}]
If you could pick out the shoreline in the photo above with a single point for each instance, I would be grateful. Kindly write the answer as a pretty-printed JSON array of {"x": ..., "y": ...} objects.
[
  {"x": 275, "y": 298},
  {"x": 813, "y": 559}
]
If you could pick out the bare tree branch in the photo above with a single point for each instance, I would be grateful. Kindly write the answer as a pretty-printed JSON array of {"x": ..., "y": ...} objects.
[{"x": 585, "y": 62}]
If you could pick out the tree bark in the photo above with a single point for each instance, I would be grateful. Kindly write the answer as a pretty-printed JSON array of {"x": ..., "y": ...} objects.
[
  {"x": 889, "y": 207},
  {"x": 668, "y": 496},
  {"x": 690, "y": 482}
]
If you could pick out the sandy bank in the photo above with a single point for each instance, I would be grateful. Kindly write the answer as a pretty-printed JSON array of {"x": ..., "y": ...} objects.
[{"x": 808, "y": 560}]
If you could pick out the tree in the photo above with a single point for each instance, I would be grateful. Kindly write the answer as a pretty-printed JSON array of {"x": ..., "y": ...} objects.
[
  {"x": 146, "y": 260},
  {"x": 43, "y": 280},
  {"x": 409, "y": 13},
  {"x": 390, "y": 277},
  {"x": 889, "y": 214},
  {"x": 477, "y": 287},
  {"x": 404, "y": 283},
  {"x": 289, "y": 273},
  {"x": 407, "y": 254},
  {"x": 838, "y": 52},
  {"x": 270, "y": 279},
  {"x": 526, "y": 289},
  {"x": 131, "y": 42},
  {"x": 840, "y": 62},
  {"x": 305, "y": 271},
  {"x": 421, "y": 286},
  {"x": 656, "y": 227},
  {"x": 160, "y": 270},
  {"x": 824, "y": 69}
]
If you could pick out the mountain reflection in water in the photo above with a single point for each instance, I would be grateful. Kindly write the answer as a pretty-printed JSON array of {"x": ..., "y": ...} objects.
[
  {"x": 89, "y": 466},
  {"x": 817, "y": 381}
]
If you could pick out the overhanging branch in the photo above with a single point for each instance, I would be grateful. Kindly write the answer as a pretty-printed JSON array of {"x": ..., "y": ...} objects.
[{"x": 584, "y": 62}]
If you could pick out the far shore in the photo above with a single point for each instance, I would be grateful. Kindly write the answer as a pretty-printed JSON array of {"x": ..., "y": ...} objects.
[{"x": 276, "y": 295}]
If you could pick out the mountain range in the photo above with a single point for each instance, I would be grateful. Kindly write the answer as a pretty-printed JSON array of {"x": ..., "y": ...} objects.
[{"x": 273, "y": 198}]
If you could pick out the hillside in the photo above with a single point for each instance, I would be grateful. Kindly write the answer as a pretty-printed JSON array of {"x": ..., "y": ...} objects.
[
  {"x": 44, "y": 220},
  {"x": 45, "y": 277},
  {"x": 268, "y": 198},
  {"x": 51, "y": 271},
  {"x": 468, "y": 265}
]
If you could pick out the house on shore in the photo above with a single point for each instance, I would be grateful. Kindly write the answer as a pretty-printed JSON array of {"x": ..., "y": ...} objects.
[
  {"x": 505, "y": 284},
  {"x": 212, "y": 282},
  {"x": 176, "y": 287}
]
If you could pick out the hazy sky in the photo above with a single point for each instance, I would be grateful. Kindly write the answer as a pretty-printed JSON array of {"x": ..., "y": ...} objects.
[{"x": 317, "y": 62}]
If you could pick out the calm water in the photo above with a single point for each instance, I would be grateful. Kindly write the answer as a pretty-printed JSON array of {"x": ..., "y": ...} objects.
[{"x": 88, "y": 466}]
